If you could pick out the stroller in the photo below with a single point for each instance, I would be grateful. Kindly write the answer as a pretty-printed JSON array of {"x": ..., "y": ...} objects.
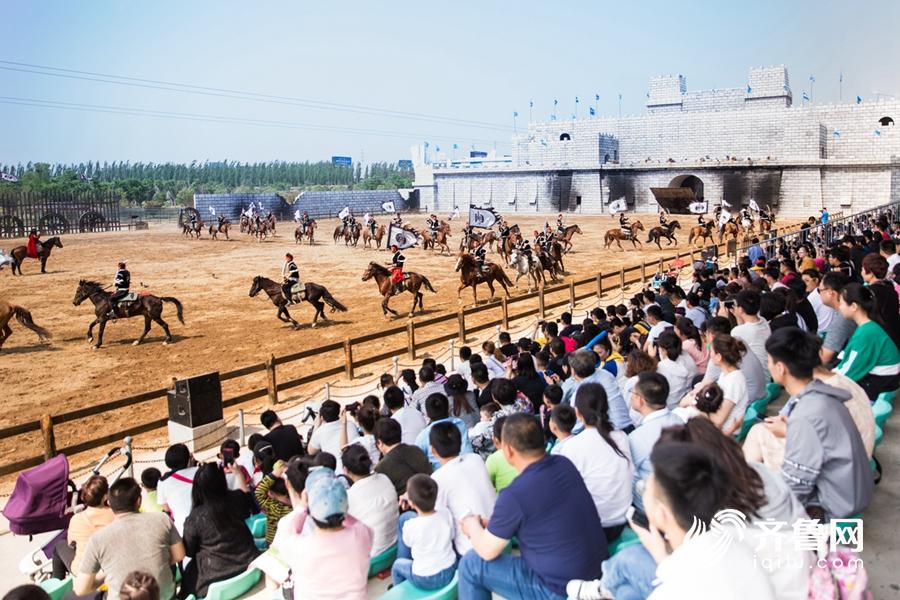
[{"x": 44, "y": 500}]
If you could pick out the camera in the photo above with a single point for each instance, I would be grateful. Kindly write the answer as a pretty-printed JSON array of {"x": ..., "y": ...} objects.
[{"x": 352, "y": 408}]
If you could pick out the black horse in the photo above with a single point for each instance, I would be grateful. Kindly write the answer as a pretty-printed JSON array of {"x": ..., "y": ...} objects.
[
  {"x": 664, "y": 231},
  {"x": 315, "y": 294}
]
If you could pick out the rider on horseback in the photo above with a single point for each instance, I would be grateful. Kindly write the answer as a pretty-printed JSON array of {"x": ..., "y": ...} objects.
[
  {"x": 624, "y": 225},
  {"x": 397, "y": 220},
  {"x": 370, "y": 223},
  {"x": 468, "y": 230},
  {"x": 560, "y": 226},
  {"x": 35, "y": 247},
  {"x": 193, "y": 220},
  {"x": 701, "y": 220},
  {"x": 305, "y": 222},
  {"x": 540, "y": 240},
  {"x": 291, "y": 274},
  {"x": 746, "y": 216},
  {"x": 503, "y": 231},
  {"x": 524, "y": 248},
  {"x": 663, "y": 214},
  {"x": 479, "y": 254},
  {"x": 433, "y": 224},
  {"x": 122, "y": 282},
  {"x": 396, "y": 266}
]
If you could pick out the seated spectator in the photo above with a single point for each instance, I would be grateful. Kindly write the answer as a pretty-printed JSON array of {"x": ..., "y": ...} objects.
[
  {"x": 751, "y": 329},
  {"x": 68, "y": 552},
  {"x": 552, "y": 397},
  {"x": 603, "y": 459},
  {"x": 610, "y": 359},
  {"x": 727, "y": 353},
  {"x": 408, "y": 384},
  {"x": 562, "y": 422},
  {"x": 691, "y": 344},
  {"x": 462, "y": 401},
  {"x": 327, "y": 435},
  {"x": 506, "y": 346},
  {"x": 437, "y": 408},
  {"x": 499, "y": 471},
  {"x": 28, "y": 591},
  {"x": 483, "y": 383},
  {"x": 365, "y": 418},
  {"x": 371, "y": 498},
  {"x": 174, "y": 489},
  {"x": 272, "y": 497},
  {"x": 494, "y": 360},
  {"x": 505, "y": 395},
  {"x": 637, "y": 362},
  {"x": 149, "y": 481},
  {"x": 582, "y": 362},
  {"x": 230, "y": 450},
  {"x": 216, "y": 539},
  {"x": 464, "y": 367},
  {"x": 428, "y": 538},
  {"x": 806, "y": 314},
  {"x": 824, "y": 314},
  {"x": 657, "y": 325},
  {"x": 400, "y": 461},
  {"x": 133, "y": 541},
  {"x": 695, "y": 311},
  {"x": 678, "y": 369},
  {"x": 750, "y": 367},
  {"x": 874, "y": 274},
  {"x": 411, "y": 421},
  {"x": 285, "y": 439},
  {"x": 487, "y": 418},
  {"x": 527, "y": 381},
  {"x": 548, "y": 510},
  {"x": 139, "y": 585},
  {"x": 888, "y": 249},
  {"x": 331, "y": 560},
  {"x": 428, "y": 386},
  {"x": 568, "y": 328},
  {"x": 840, "y": 329},
  {"x": 825, "y": 462},
  {"x": 870, "y": 357},
  {"x": 246, "y": 459},
  {"x": 463, "y": 483}
]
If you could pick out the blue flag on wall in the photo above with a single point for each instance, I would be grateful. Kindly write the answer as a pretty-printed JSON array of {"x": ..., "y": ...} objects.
[
  {"x": 749, "y": 90},
  {"x": 858, "y": 100},
  {"x": 515, "y": 114},
  {"x": 805, "y": 96},
  {"x": 592, "y": 111},
  {"x": 597, "y": 97}
]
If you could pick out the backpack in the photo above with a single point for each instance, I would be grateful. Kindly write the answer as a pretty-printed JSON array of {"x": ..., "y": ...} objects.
[
  {"x": 842, "y": 578},
  {"x": 41, "y": 500}
]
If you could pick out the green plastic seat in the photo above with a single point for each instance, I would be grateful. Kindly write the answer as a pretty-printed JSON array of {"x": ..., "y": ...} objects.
[
  {"x": 261, "y": 544},
  {"x": 887, "y": 397},
  {"x": 879, "y": 434},
  {"x": 257, "y": 525},
  {"x": 380, "y": 562},
  {"x": 233, "y": 588},
  {"x": 760, "y": 405},
  {"x": 626, "y": 539},
  {"x": 57, "y": 588},
  {"x": 749, "y": 421},
  {"x": 882, "y": 410},
  {"x": 407, "y": 591}
]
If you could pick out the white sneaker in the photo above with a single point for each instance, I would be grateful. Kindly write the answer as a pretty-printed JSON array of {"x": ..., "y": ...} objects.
[{"x": 579, "y": 589}]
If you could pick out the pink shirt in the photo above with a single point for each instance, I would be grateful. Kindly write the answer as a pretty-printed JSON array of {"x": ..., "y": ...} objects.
[
  {"x": 332, "y": 565},
  {"x": 700, "y": 356}
]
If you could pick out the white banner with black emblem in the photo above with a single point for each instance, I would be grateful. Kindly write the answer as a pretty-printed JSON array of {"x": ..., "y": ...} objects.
[
  {"x": 344, "y": 213},
  {"x": 388, "y": 206},
  {"x": 483, "y": 218},
  {"x": 724, "y": 217},
  {"x": 401, "y": 237},
  {"x": 754, "y": 206},
  {"x": 8, "y": 177},
  {"x": 698, "y": 208},
  {"x": 617, "y": 206}
]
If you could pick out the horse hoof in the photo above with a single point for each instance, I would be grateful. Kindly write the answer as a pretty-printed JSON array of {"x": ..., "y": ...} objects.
[
  {"x": 165, "y": 343},
  {"x": 135, "y": 342},
  {"x": 313, "y": 325},
  {"x": 95, "y": 347}
]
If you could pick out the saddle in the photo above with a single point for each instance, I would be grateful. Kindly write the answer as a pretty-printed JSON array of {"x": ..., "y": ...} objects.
[
  {"x": 297, "y": 288},
  {"x": 127, "y": 298}
]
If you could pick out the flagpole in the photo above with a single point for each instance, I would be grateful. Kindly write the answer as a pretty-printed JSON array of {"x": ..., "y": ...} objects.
[{"x": 841, "y": 86}]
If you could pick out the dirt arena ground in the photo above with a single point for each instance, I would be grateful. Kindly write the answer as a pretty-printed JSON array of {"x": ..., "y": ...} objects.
[{"x": 225, "y": 329}]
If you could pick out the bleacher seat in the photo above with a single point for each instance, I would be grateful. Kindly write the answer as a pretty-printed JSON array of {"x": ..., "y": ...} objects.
[
  {"x": 750, "y": 419},
  {"x": 407, "y": 591},
  {"x": 232, "y": 589},
  {"x": 380, "y": 562},
  {"x": 882, "y": 409},
  {"x": 879, "y": 435},
  {"x": 627, "y": 538},
  {"x": 57, "y": 588},
  {"x": 257, "y": 525}
]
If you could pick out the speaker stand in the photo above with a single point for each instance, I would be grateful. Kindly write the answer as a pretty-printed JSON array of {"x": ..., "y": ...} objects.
[{"x": 198, "y": 438}]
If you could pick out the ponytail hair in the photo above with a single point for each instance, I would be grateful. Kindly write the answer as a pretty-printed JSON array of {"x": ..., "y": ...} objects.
[
  {"x": 591, "y": 402},
  {"x": 862, "y": 296},
  {"x": 731, "y": 349},
  {"x": 491, "y": 349},
  {"x": 688, "y": 330},
  {"x": 669, "y": 342}
]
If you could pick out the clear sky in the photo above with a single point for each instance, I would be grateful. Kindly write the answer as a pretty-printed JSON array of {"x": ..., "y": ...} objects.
[{"x": 465, "y": 60}]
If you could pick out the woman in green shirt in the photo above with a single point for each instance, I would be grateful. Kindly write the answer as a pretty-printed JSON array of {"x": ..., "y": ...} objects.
[{"x": 870, "y": 357}]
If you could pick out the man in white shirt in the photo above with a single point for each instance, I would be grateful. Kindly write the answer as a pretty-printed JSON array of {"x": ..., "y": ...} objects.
[
  {"x": 412, "y": 422},
  {"x": 824, "y": 314},
  {"x": 888, "y": 249},
  {"x": 427, "y": 387},
  {"x": 174, "y": 490},
  {"x": 464, "y": 368},
  {"x": 657, "y": 326},
  {"x": 372, "y": 498},
  {"x": 752, "y": 329},
  {"x": 464, "y": 486},
  {"x": 326, "y": 436}
]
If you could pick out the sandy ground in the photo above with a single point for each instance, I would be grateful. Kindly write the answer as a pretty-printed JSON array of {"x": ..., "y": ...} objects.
[{"x": 225, "y": 328}]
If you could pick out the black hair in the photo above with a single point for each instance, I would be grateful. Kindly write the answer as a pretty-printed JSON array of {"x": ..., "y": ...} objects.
[
  {"x": 503, "y": 391},
  {"x": 497, "y": 429},
  {"x": 523, "y": 433},
  {"x": 394, "y": 398},
  {"x": 796, "y": 349},
  {"x": 479, "y": 372},
  {"x": 653, "y": 387},
  {"x": 366, "y": 417},
  {"x": 422, "y": 491},
  {"x": 717, "y": 325},
  {"x": 268, "y": 418},
  {"x": 525, "y": 366},
  {"x": 553, "y": 393},
  {"x": 388, "y": 432},
  {"x": 709, "y": 399},
  {"x": 564, "y": 417},
  {"x": 771, "y": 305},
  {"x": 437, "y": 407},
  {"x": 27, "y": 591},
  {"x": 465, "y": 353},
  {"x": 669, "y": 342},
  {"x": 325, "y": 459},
  {"x": 264, "y": 454},
  {"x": 862, "y": 296},
  {"x": 330, "y": 411},
  {"x": 446, "y": 439},
  {"x": 503, "y": 337},
  {"x": 409, "y": 378},
  {"x": 690, "y": 479},
  {"x": 298, "y": 470},
  {"x": 356, "y": 459},
  {"x": 426, "y": 374},
  {"x": 566, "y": 318},
  {"x": 686, "y": 327},
  {"x": 177, "y": 457},
  {"x": 254, "y": 439},
  {"x": 592, "y": 403},
  {"x": 124, "y": 495},
  {"x": 748, "y": 300},
  {"x": 654, "y": 311},
  {"x": 150, "y": 478},
  {"x": 386, "y": 380},
  {"x": 210, "y": 489},
  {"x": 834, "y": 280},
  {"x": 551, "y": 328}
]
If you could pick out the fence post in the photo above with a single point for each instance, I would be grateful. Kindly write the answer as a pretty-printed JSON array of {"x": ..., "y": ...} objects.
[
  {"x": 504, "y": 308},
  {"x": 572, "y": 293},
  {"x": 327, "y": 391},
  {"x": 622, "y": 278},
  {"x": 129, "y": 472},
  {"x": 242, "y": 431},
  {"x": 662, "y": 268},
  {"x": 643, "y": 272},
  {"x": 270, "y": 380},
  {"x": 452, "y": 355},
  {"x": 411, "y": 340},
  {"x": 395, "y": 363},
  {"x": 49, "y": 438},
  {"x": 461, "y": 319},
  {"x": 348, "y": 358},
  {"x": 599, "y": 287},
  {"x": 541, "y": 303}
]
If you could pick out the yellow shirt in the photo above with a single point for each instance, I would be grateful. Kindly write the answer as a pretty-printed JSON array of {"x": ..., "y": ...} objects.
[{"x": 85, "y": 524}]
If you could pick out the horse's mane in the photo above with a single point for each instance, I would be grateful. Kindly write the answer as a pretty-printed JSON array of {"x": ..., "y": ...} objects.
[
  {"x": 377, "y": 267},
  {"x": 87, "y": 283},
  {"x": 466, "y": 257}
]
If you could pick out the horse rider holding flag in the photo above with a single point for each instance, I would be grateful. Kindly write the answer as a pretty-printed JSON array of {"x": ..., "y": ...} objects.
[
  {"x": 480, "y": 258},
  {"x": 396, "y": 266},
  {"x": 291, "y": 273}
]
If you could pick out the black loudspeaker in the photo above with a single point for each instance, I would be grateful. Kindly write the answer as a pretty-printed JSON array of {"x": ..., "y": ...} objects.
[
  {"x": 196, "y": 401},
  {"x": 712, "y": 251}
]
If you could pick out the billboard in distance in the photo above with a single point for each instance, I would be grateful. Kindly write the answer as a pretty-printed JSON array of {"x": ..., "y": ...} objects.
[
  {"x": 344, "y": 161},
  {"x": 405, "y": 163}
]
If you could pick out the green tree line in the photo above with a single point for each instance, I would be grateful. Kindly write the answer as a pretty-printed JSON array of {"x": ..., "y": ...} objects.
[{"x": 158, "y": 184}]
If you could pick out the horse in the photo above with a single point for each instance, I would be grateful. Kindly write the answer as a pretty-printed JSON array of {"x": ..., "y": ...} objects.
[
  {"x": 309, "y": 233},
  {"x": 338, "y": 232},
  {"x": 505, "y": 245},
  {"x": 729, "y": 228},
  {"x": 265, "y": 226},
  {"x": 565, "y": 238},
  {"x": 8, "y": 311},
  {"x": 438, "y": 241},
  {"x": 667, "y": 231},
  {"x": 145, "y": 305},
  {"x": 351, "y": 234},
  {"x": 217, "y": 228},
  {"x": 701, "y": 232},
  {"x": 20, "y": 253},
  {"x": 368, "y": 236},
  {"x": 520, "y": 263},
  {"x": 556, "y": 255},
  {"x": 616, "y": 235},
  {"x": 546, "y": 263},
  {"x": 766, "y": 225},
  {"x": 245, "y": 224},
  {"x": 316, "y": 294},
  {"x": 470, "y": 276},
  {"x": 412, "y": 283},
  {"x": 192, "y": 229}
]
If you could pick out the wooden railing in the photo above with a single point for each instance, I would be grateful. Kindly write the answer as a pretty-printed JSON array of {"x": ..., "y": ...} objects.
[{"x": 500, "y": 313}]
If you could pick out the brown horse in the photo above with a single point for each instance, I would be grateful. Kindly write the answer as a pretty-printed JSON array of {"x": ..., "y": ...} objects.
[
  {"x": 145, "y": 305},
  {"x": 616, "y": 235},
  {"x": 504, "y": 247},
  {"x": 565, "y": 238},
  {"x": 8, "y": 311},
  {"x": 730, "y": 228},
  {"x": 217, "y": 228},
  {"x": 310, "y": 233},
  {"x": 315, "y": 294},
  {"x": 667, "y": 232},
  {"x": 20, "y": 253},
  {"x": 412, "y": 283},
  {"x": 702, "y": 232},
  {"x": 438, "y": 241},
  {"x": 369, "y": 237},
  {"x": 470, "y": 276},
  {"x": 556, "y": 255},
  {"x": 766, "y": 225},
  {"x": 547, "y": 264},
  {"x": 192, "y": 230}
]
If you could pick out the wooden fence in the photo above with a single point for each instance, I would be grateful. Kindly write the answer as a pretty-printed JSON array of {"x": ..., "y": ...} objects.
[
  {"x": 55, "y": 213},
  {"x": 417, "y": 335}
]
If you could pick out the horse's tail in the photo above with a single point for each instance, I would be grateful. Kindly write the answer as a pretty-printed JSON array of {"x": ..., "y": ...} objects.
[
  {"x": 178, "y": 307},
  {"x": 428, "y": 284},
  {"x": 503, "y": 276},
  {"x": 331, "y": 301},
  {"x": 24, "y": 317}
]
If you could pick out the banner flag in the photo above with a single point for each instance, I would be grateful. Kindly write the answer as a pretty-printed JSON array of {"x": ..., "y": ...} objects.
[
  {"x": 483, "y": 218},
  {"x": 8, "y": 177},
  {"x": 401, "y": 237},
  {"x": 724, "y": 217},
  {"x": 618, "y": 206},
  {"x": 753, "y": 205},
  {"x": 344, "y": 213},
  {"x": 388, "y": 206},
  {"x": 724, "y": 203},
  {"x": 212, "y": 210},
  {"x": 697, "y": 208}
]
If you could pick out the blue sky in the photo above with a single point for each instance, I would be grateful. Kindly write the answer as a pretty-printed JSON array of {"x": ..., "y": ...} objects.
[{"x": 475, "y": 61}]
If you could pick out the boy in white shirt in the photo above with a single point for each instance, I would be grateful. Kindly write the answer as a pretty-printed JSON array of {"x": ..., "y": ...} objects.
[
  {"x": 487, "y": 419},
  {"x": 429, "y": 538},
  {"x": 562, "y": 422}
]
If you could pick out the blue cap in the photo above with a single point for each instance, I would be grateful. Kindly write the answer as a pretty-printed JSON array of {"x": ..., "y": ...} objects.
[{"x": 327, "y": 495}]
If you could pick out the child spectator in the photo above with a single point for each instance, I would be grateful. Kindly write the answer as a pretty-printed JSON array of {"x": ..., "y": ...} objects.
[
  {"x": 149, "y": 480},
  {"x": 562, "y": 422},
  {"x": 552, "y": 397},
  {"x": 499, "y": 470},
  {"x": 483, "y": 426},
  {"x": 272, "y": 497},
  {"x": 246, "y": 458},
  {"x": 174, "y": 490},
  {"x": 229, "y": 452},
  {"x": 429, "y": 538}
]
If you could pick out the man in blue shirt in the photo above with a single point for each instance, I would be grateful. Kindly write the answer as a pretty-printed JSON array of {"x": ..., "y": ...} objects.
[
  {"x": 548, "y": 509},
  {"x": 755, "y": 252},
  {"x": 583, "y": 365},
  {"x": 437, "y": 409}
]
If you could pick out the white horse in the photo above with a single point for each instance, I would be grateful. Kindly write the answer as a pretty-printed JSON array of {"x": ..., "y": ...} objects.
[
  {"x": 519, "y": 262},
  {"x": 6, "y": 259}
]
